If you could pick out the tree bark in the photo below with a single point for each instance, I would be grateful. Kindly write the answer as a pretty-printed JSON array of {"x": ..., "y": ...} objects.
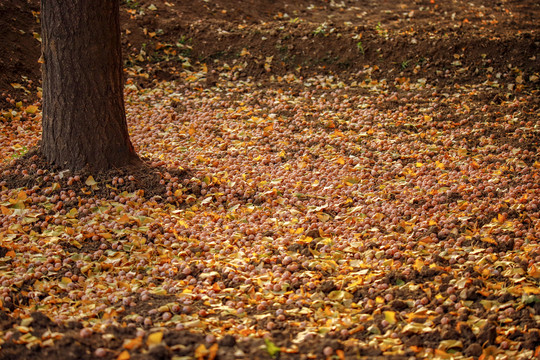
[{"x": 84, "y": 121}]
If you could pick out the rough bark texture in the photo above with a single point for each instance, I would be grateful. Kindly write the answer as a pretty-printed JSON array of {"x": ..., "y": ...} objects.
[{"x": 84, "y": 121}]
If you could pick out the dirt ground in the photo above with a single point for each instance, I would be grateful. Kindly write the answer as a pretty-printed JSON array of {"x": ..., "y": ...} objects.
[
  {"x": 489, "y": 47},
  {"x": 302, "y": 37}
]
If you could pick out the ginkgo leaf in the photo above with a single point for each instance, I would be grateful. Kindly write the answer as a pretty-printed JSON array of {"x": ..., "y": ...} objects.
[
  {"x": 124, "y": 355},
  {"x": 90, "y": 181},
  {"x": 154, "y": 338},
  {"x": 339, "y": 295},
  {"x": 201, "y": 351},
  {"x": 390, "y": 316},
  {"x": 271, "y": 348}
]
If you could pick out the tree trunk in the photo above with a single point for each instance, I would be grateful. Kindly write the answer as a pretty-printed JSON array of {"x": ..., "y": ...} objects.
[{"x": 84, "y": 120}]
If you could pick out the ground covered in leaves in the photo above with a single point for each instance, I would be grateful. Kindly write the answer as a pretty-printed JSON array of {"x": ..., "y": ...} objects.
[{"x": 324, "y": 180}]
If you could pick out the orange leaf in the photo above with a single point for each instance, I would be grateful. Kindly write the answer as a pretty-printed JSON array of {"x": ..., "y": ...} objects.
[
  {"x": 489, "y": 240},
  {"x": 341, "y": 354},
  {"x": 5, "y": 210},
  {"x": 201, "y": 351},
  {"x": 124, "y": 355},
  {"x": 10, "y": 253},
  {"x": 123, "y": 219},
  {"x": 212, "y": 352},
  {"x": 531, "y": 290},
  {"x": 31, "y": 109},
  {"x": 534, "y": 271},
  {"x": 133, "y": 343}
]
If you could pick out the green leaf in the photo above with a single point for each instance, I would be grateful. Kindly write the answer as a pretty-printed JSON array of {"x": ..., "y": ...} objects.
[
  {"x": 272, "y": 349},
  {"x": 529, "y": 299}
]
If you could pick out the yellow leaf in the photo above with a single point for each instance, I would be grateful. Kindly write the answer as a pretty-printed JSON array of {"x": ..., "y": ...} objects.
[
  {"x": 338, "y": 295},
  {"x": 154, "y": 338},
  {"x": 450, "y": 344},
  {"x": 390, "y": 316},
  {"x": 341, "y": 161},
  {"x": 90, "y": 181},
  {"x": 419, "y": 164},
  {"x": 306, "y": 240},
  {"x": 323, "y": 217},
  {"x": 299, "y": 231},
  {"x": 378, "y": 217},
  {"x": 418, "y": 264},
  {"x": 124, "y": 355},
  {"x": 183, "y": 223},
  {"x": 427, "y": 118}
]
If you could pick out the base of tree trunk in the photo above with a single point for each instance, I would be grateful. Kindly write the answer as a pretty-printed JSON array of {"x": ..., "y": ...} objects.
[{"x": 84, "y": 120}]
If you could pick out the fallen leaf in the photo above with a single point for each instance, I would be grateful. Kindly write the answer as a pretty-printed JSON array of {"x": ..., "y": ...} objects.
[
  {"x": 271, "y": 348},
  {"x": 90, "y": 181},
  {"x": 154, "y": 338},
  {"x": 124, "y": 355}
]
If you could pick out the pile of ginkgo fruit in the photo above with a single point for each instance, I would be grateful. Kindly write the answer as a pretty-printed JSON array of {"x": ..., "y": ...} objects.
[{"x": 301, "y": 215}]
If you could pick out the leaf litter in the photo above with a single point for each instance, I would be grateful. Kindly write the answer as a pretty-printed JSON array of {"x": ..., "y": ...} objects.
[{"x": 325, "y": 216}]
